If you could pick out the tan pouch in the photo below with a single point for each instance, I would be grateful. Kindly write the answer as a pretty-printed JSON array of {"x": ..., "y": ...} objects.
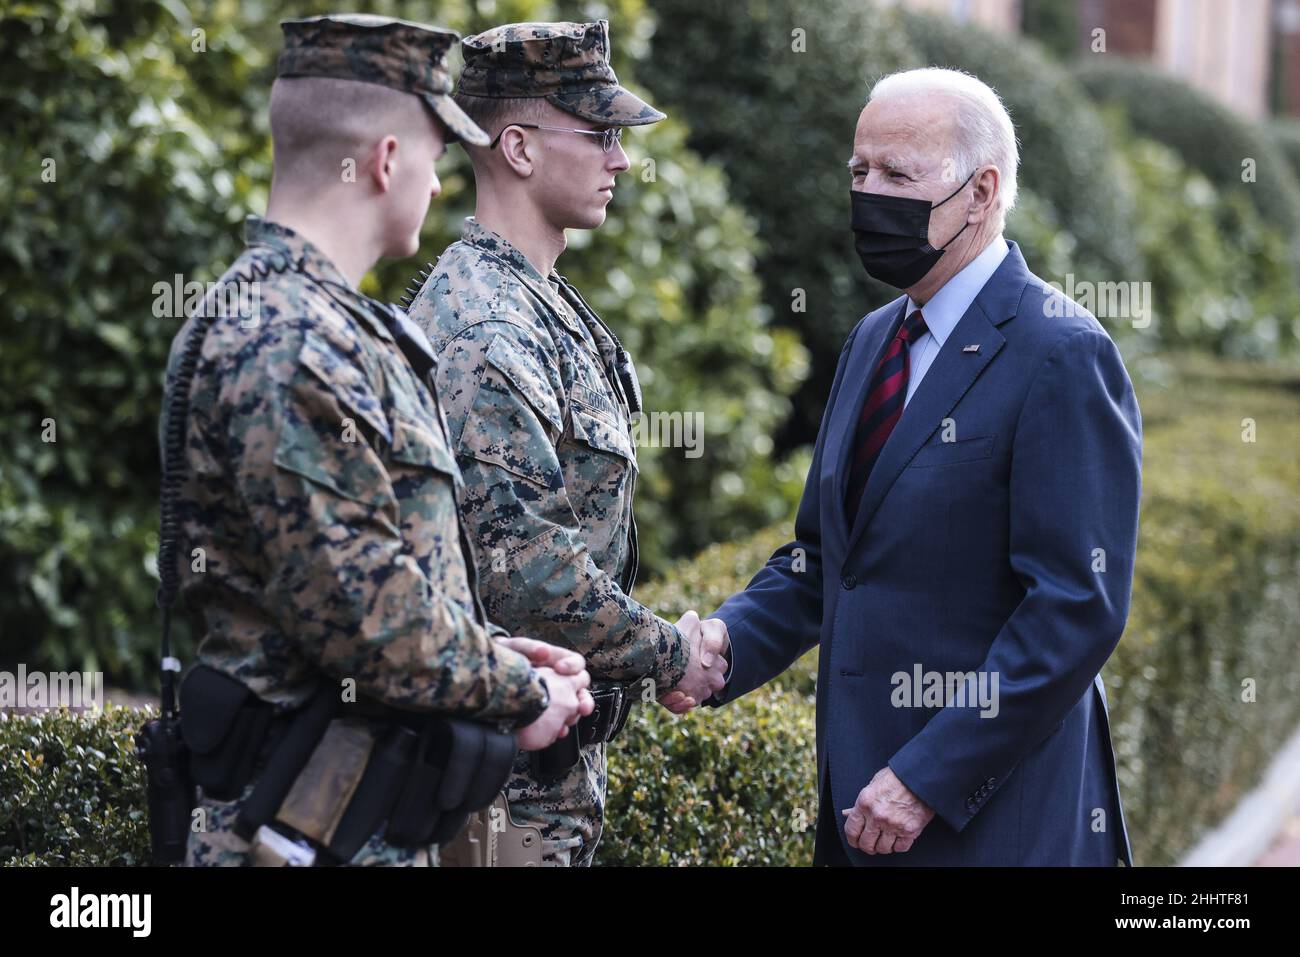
[
  {"x": 318, "y": 798},
  {"x": 491, "y": 838}
]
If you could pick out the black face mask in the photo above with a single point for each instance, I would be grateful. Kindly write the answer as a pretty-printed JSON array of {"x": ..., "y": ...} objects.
[{"x": 892, "y": 236}]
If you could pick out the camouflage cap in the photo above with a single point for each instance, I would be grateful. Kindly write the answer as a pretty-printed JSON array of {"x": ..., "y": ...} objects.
[
  {"x": 406, "y": 56},
  {"x": 568, "y": 63}
]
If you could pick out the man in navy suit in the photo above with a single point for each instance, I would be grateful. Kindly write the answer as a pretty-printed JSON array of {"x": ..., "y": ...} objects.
[{"x": 964, "y": 549}]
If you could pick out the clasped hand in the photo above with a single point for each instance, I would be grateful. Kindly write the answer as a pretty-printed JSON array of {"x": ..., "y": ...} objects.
[
  {"x": 567, "y": 680},
  {"x": 708, "y": 644}
]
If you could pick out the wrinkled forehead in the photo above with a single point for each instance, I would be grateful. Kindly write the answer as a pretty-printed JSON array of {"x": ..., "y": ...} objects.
[{"x": 904, "y": 132}]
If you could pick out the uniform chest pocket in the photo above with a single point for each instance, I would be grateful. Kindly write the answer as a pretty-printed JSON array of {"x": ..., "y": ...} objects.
[
  {"x": 414, "y": 444},
  {"x": 602, "y": 433},
  {"x": 337, "y": 431},
  {"x": 426, "y": 483},
  {"x": 951, "y": 453}
]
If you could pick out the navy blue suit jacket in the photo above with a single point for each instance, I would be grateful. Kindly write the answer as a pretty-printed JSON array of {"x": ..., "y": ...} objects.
[{"x": 1006, "y": 550}]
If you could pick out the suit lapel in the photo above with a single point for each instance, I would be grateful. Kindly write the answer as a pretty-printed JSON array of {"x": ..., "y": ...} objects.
[
  {"x": 844, "y": 420},
  {"x": 949, "y": 377}
]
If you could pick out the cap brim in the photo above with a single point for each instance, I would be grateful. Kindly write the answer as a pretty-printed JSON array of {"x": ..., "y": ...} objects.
[
  {"x": 611, "y": 105},
  {"x": 454, "y": 118}
]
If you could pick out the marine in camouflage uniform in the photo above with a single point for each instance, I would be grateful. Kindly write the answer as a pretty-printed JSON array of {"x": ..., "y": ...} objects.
[
  {"x": 319, "y": 482},
  {"x": 539, "y": 396}
]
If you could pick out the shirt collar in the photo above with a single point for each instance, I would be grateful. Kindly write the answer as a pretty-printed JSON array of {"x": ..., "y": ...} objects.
[
  {"x": 949, "y": 304},
  {"x": 307, "y": 258},
  {"x": 476, "y": 234},
  {"x": 300, "y": 250}
]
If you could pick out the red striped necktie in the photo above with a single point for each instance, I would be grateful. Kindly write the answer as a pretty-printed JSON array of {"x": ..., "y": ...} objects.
[{"x": 882, "y": 408}]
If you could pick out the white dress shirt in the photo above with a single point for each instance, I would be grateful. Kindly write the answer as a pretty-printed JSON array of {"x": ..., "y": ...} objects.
[{"x": 945, "y": 309}]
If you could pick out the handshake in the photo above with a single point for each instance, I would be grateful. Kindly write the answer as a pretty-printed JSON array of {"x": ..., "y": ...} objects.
[
  {"x": 567, "y": 680},
  {"x": 710, "y": 648}
]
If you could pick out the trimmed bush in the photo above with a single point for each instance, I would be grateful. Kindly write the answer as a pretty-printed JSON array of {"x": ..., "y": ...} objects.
[
  {"x": 733, "y": 786},
  {"x": 71, "y": 790},
  {"x": 1236, "y": 298},
  {"x": 1208, "y": 136},
  {"x": 1216, "y": 601}
]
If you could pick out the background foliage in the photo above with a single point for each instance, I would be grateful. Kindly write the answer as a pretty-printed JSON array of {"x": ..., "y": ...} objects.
[
  {"x": 160, "y": 150},
  {"x": 1209, "y": 136},
  {"x": 780, "y": 121},
  {"x": 1091, "y": 207}
]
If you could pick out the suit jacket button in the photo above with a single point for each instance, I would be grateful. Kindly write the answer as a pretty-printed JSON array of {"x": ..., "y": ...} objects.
[{"x": 849, "y": 582}]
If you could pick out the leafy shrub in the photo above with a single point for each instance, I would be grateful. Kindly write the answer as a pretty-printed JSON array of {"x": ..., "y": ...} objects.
[
  {"x": 71, "y": 790},
  {"x": 1236, "y": 298},
  {"x": 143, "y": 187},
  {"x": 1207, "y": 136}
]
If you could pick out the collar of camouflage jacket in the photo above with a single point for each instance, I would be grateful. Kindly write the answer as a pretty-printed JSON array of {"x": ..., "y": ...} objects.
[
  {"x": 308, "y": 259},
  {"x": 478, "y": 235}
]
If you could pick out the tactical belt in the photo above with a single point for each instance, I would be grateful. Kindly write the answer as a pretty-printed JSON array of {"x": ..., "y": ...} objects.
[
  {"x": 333, "y": 785},
  {"x": 613, "y": 704}
]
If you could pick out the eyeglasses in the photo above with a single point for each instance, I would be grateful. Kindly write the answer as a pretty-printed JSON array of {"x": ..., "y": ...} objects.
[{"x": 607, "y": 137}]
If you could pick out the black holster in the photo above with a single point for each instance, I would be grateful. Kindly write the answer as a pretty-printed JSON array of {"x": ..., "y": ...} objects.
[
  {"x": 425, "y": 775},
  {"x": 225, "y": 727},
  {"x": 170, "y": 792},
  {"x": 613, "y": 704}
]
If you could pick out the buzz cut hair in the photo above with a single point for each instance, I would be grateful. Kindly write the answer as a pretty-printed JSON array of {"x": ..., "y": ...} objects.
[
  {"x": 492, "y": 114},
  {"x": 318, "y": 121}
]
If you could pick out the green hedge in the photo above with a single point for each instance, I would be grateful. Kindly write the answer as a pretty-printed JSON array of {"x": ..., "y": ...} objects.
[
  {"x": 1216, "y": 602},
  {"x": 1233, "y": 298},
  {"x": 72, "y": 791},
  {"x": 1207, "y": 135}
]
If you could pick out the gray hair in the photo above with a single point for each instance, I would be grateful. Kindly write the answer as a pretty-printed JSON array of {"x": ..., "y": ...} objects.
[{"x": 983, "y": 132}]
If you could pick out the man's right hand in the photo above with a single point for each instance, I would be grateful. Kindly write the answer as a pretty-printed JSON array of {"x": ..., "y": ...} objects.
[
  {"x": 709, "y": 645},
  {"x": 569, "y": 701}
]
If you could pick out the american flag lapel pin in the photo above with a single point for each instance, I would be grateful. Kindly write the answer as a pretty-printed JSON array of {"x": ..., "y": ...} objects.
[{"x": 973, "y": 347}]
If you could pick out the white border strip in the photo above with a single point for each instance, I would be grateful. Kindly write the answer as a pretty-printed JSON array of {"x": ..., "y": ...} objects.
[{"x": 1250, "y": 830}]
